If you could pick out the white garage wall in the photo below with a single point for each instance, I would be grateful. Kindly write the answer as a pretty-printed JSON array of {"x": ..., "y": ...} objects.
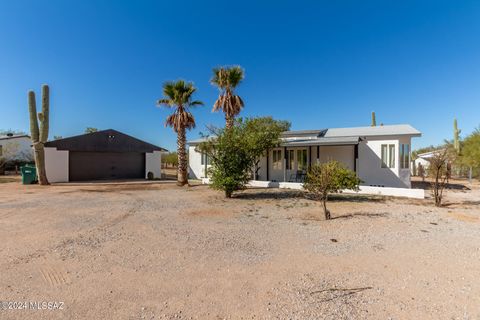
[
  {"x": 153, "y": 163},
  {"x": 56, "y": 165}
]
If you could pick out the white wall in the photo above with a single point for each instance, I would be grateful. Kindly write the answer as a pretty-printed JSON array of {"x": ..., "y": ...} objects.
[
  {"x": 370, "y": 163},
  {"x": 21, "y": 148},
  {"x": 342, "y": 154},
  {"x": 195, "y": 168},
  {"x": 56, "y": 165},
  {"x": 153, "y": 163}
]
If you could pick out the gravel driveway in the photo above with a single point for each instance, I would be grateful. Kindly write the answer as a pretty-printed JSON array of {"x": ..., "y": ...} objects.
[{"x": 157, "y": 251}]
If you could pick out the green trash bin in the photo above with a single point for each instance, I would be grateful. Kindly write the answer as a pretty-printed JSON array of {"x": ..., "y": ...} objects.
[{"x": 29, "y": 174}]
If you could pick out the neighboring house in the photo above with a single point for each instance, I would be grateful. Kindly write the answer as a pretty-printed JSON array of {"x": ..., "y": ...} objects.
[
  {"x": 17, "y": 148},
  {"x": 424, "y": 158},
  {"x": 379, "y": 155},
  {"x": 102, "y": 155}
]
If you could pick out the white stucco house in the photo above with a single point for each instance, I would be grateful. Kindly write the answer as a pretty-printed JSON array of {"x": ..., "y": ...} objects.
[
  {"x": 379, "y": 155},
  {"x": 16, "y": 147}
]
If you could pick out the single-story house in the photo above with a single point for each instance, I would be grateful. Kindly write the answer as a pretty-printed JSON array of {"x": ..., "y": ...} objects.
[
  {"x": 102, "y": 155},
  {"x": 379, "y": 155},
  {"x": 16, "y": 147},
  {"x": 424, "y": 159}
]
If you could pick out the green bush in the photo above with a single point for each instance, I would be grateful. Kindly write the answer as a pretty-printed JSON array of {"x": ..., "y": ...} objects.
[{"x": 331, "y": 177}]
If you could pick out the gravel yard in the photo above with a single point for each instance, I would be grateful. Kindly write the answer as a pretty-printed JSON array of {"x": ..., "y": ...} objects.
[{"x": 158, "y": 251}]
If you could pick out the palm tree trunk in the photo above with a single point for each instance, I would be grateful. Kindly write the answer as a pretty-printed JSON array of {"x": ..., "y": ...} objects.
[
  {"x": 229, "y": 120},
  {"x": 182, "y": 158}
]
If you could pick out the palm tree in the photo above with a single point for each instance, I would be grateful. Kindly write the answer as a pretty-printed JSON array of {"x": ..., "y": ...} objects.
[
  {"x": 178, "y": 95},
  {"x": 227, "y": 79}
]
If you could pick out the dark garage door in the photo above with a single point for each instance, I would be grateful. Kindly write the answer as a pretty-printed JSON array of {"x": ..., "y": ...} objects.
[{"x": 85, "y": 166}]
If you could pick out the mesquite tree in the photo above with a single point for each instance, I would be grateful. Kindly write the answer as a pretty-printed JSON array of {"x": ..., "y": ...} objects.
[
  {"x": 331, "y": 177},
  {"x": 39, "y": 135},
  {"x": 438, "y": 170}
]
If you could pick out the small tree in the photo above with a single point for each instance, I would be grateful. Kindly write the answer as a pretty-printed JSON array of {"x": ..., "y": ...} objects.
[
  {"x": 471, "y": 151},
  {"x": 233, "y": 152},
  {"x": 7, "y": 154},
  {"x": 438, "y": 170},
  {"x": 331, "y": 177},
  {"x": 91, "y": 130}
]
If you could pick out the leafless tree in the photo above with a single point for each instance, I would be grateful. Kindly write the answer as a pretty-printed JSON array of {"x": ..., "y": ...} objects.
[{"x": 438, "y": 170}]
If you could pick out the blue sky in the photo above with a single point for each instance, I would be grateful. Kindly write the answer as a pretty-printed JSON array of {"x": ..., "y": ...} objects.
[{"x": 316, "y": 63}]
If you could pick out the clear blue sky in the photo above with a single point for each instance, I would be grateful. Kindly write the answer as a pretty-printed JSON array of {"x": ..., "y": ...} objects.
[{"x": 316, "y": 63}]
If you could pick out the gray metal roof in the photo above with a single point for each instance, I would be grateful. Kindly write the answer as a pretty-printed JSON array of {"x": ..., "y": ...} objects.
[
  {"x": 334, "y": 141},
  {"x": 355, "y": 132},
  {"x": 391, "y": 130},
  {"x": 301, "y": 133}
]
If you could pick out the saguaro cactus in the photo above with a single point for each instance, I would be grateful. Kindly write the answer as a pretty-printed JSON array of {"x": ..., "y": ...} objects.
[
  {"x": 39, "y": 136},
  {"x": 374, "y": 119},
  {"x": 456, "y": 136}
]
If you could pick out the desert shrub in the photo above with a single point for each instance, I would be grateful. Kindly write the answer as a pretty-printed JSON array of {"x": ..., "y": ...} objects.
[{"x": 331, "y": 177}]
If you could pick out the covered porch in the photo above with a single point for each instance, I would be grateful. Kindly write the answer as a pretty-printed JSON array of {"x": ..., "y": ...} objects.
[{"x": 291, "y": 160}]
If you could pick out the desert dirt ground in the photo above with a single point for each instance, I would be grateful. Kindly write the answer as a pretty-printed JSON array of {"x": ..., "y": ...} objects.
[{"x": 158, "y": 251}]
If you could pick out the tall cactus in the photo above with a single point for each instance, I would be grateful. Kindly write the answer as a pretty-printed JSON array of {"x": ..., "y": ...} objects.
[
  {"x": 374, "y": 119},
  {"x": 39, "y": 136},
  {"x": 456, "y": 136}
]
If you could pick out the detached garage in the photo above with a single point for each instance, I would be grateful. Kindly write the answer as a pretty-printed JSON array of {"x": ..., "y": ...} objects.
[{"x": 102, "y": 155}]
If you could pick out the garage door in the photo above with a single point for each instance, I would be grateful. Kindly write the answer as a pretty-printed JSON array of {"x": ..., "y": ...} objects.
[{"x": 85, "y": 166}]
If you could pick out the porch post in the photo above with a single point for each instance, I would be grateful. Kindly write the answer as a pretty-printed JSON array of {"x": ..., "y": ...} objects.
[
  {"x": 285, "y": 164},
  {"x": 355, "y": 151},
  {"x": 309, "y": 156}
]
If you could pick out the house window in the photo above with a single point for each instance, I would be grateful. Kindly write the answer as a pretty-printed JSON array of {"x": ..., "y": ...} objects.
[
  {"x": 290, "y": 159},
  {"x": 277, "y": 160},
  {"x": 404, "y": 156},
  {"x": 205, "y": 159},
  {"x": 388, "y": 155},
  {"x": 302, "y": 159},
  {"x": 384, "y": 155},
  {"x": 391, "y": 156}
]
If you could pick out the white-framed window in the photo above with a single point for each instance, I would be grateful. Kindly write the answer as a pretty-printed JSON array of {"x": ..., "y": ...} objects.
[
  {"x": 205, "y": 159},
  {"x": 290, "y": 159},
  {"x": 404, "y": 156},
  {"x": 391, "y": 156},
  {"x": 302, "y": 159},
  {"x": 277, "y": 159},
  {"x": 388, "y": 155}
]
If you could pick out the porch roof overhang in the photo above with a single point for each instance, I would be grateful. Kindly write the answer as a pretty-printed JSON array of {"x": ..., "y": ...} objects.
[{"x": 334, "y": 141}]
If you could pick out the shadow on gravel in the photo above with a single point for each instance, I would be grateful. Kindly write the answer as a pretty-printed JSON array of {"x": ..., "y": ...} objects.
[
  {"x": 253, "y": 194},
  {"x": 262, "y": 195},
  {"x": 362, "y": 214},
  {"x": 335, "y": 293},
  {"x": 427, "y": 185}
]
